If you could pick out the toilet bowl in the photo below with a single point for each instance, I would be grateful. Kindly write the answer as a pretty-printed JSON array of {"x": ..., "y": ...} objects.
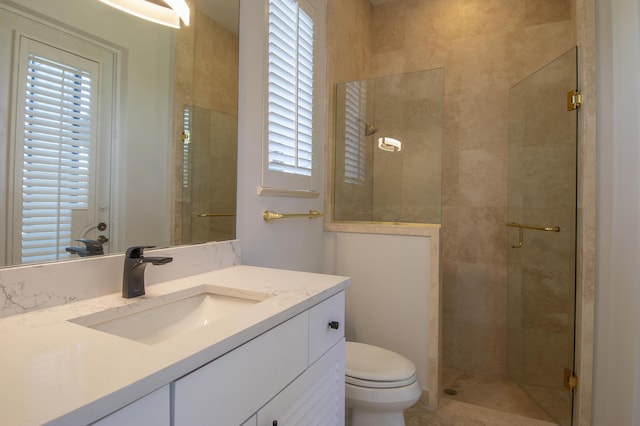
[{"x": 380, "y": 384}]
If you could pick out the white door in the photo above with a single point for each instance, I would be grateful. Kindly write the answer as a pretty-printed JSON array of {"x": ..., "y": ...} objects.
[{"x": 60, "y": 147}]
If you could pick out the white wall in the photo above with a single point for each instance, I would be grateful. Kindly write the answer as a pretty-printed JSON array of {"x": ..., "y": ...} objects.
[
  {"x": 388, "y": 302},
  {"x": 617, "y": 333},
  {"x": 288, "y": 243}
]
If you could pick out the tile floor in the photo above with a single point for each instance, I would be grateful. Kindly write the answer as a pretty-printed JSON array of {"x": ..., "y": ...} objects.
[
  {"x": 457, "y": 413},
  {"x": 481, "y": 402}
]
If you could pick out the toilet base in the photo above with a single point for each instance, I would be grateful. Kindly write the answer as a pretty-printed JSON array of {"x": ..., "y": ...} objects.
[{"x": 377, "y": 418}]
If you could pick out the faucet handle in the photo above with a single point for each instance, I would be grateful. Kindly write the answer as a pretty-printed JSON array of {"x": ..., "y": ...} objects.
[
  {"x": 93, "y": 247},
  {"x": 136, "y": 252}
]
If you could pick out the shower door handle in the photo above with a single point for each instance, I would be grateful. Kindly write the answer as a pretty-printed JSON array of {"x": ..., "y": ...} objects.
[
  {"x": 521, "y": 227},
  {"x": 520, "y": 238},
  {"x": 535, "y": 228}
]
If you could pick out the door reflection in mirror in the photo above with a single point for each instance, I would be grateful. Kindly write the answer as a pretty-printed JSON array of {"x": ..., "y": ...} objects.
[{"x": 56, "y": 149}]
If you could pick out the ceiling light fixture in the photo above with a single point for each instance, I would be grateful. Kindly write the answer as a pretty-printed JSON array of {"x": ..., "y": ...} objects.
[
  {"x": 389, "y": 144},
  {"x": 154, "y": 11},
  {"x": 181, "y": 7}
]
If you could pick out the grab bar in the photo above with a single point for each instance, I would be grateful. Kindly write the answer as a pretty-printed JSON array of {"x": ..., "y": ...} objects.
[
  {"x": 521, "y": 226},
  {"x": 270, "y": 216},
  {"x": 216, "y": 215}
]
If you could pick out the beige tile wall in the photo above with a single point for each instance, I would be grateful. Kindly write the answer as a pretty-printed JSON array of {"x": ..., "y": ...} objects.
[{"x": 348, "y": 58}]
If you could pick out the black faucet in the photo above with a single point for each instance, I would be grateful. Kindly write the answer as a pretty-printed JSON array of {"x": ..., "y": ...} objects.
[
  {"x": 133, "y": 275},
  {"x": 92, "y": 248}
]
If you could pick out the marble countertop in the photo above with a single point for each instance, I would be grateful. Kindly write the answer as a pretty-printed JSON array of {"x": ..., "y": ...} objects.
[{"x": 57, "y": 372}]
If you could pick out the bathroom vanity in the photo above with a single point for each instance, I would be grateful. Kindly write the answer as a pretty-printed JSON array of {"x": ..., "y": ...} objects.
[{"x": 275, "y": 353}]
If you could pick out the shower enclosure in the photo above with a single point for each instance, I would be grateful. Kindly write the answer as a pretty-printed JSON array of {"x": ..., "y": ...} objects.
[
  {"x": 388, "y": 168},
  {"x": 208, "y": 199},
  {"x": 542, "y": 235},
  {"x": 388, "y": 149}
]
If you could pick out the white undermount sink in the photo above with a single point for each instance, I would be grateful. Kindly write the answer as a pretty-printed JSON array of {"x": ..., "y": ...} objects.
[{"x": 154, "y": 320}]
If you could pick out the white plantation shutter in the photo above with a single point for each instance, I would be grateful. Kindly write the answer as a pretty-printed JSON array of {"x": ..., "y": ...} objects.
[
  {"x": 290, "y": 88},
  {"x": 56, "y": 127},
  {"x": 354, "y": 144},
  {"x": 186, "y": 146}
]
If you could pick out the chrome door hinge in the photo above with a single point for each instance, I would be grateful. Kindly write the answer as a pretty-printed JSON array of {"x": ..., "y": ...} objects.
[
  {"x": 570, "y": 380},
  {"x": 574, "y": 100}
]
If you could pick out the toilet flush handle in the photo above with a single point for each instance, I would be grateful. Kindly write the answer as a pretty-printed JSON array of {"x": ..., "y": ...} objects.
[{"x": 334, "y": 325}]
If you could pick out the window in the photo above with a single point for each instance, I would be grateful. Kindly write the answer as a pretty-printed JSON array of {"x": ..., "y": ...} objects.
[{"x": 290, "y": 97}]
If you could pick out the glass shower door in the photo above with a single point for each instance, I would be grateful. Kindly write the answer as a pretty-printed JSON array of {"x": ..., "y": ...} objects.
[
  {"x": 542, "y": 235},
  {"x": 208, "y": 199}
]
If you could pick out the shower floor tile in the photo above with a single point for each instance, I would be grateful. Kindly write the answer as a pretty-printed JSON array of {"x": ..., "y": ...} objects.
[
  {"x": 501, "y": 395},
  {"x": 457, "y": 413}
]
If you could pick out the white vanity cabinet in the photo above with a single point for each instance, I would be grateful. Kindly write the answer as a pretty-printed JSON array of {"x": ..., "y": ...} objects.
[
  {"x": 151, "y": 410},
  {"x": 273, "y": 360},
  {"x": 294, "y": 369}
]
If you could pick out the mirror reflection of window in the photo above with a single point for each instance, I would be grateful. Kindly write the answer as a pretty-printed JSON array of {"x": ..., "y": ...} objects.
[
  {"x": 355, "y": 132},
  {"x": 186, "y": 146}
]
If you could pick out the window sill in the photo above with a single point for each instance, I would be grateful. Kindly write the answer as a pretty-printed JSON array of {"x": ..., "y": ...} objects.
[{"x": 295, "y": 193}]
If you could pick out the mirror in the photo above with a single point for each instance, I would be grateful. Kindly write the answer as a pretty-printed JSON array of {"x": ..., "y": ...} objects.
[
  {"x": 208, "y": 105},
  {"x": 168, "y": 176}
]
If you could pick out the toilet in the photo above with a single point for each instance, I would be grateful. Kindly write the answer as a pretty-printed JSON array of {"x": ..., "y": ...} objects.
[{"x": 380, "y": 384}]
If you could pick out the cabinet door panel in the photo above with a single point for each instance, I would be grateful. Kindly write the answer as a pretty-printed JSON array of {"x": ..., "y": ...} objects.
[
  {"x": 151, "y": 410},
  {"x": 321, "y": 335},
  {"x": 316, "y": 398},
  {"x": 253, "y": 421},
  {"x": 231, "y": 388}
]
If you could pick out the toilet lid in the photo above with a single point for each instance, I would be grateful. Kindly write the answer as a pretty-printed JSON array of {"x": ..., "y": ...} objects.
[{"x": 372, "y": 366}]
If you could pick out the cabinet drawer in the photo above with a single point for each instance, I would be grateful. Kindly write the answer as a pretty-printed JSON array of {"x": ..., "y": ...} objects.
[
  {"x": 321, "y": 335},
  {"x": 227, "y": 390}
]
